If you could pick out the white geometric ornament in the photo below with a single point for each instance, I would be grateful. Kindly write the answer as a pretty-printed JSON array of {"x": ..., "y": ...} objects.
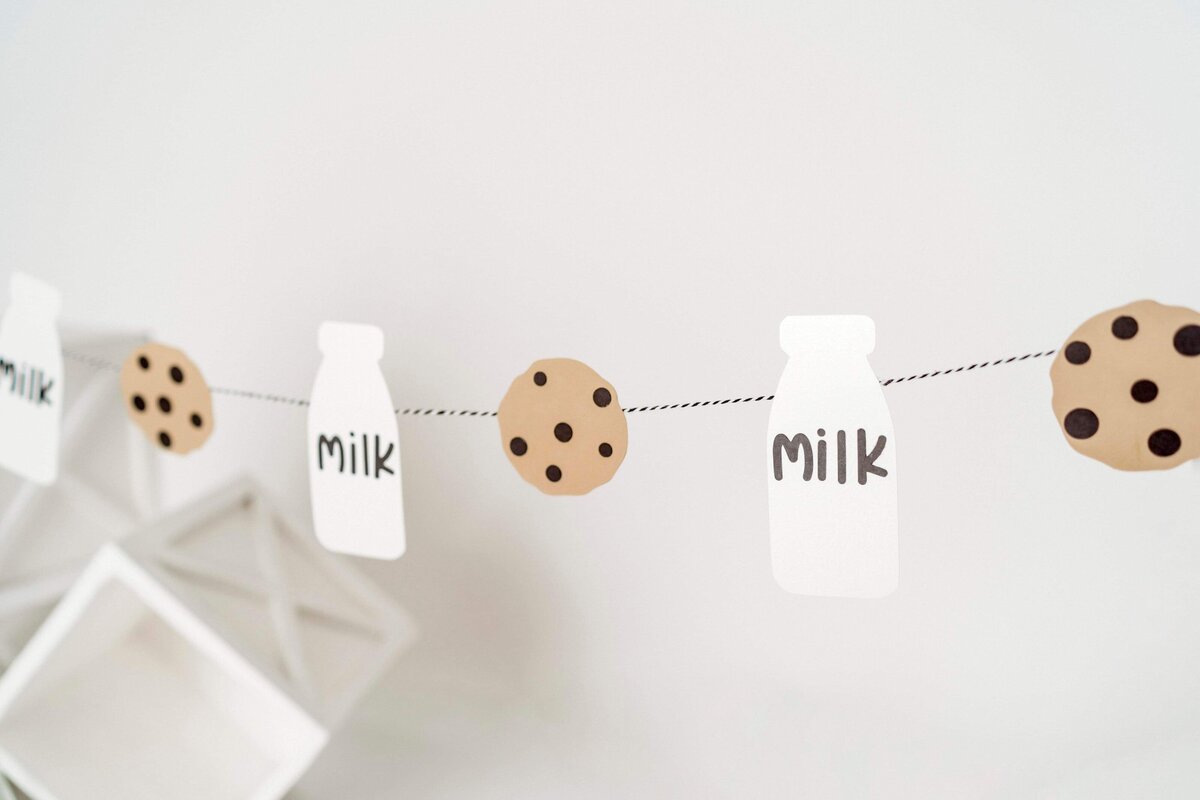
[
  {"x": 208, "y": 656},
  {"x": 831, "y": 472}
]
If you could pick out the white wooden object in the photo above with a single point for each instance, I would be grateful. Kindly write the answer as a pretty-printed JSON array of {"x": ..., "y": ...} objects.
[
  {"x": 207, "y": 656},
  {"x": 105, "y": 489}
]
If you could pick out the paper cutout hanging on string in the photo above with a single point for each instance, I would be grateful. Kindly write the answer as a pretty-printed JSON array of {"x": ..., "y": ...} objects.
[
  {"x": 1127, "y": 386},
  {"x": 562, "y": 427},
  {"x": 832, "y": 464},
  {"x": 31, "y": 380},
  {"x": 354, "y": 447},
  {"x": 167, "y": 398}
]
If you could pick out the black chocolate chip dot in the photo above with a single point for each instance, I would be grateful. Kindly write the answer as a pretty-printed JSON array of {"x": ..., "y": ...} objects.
[
  {"x": 539, "y": 378},
  {"x": 143, "y": 362},
  {"x": 139, "y": 402},
  {"x": 1081, "y": 423},
  {"x": 1187, "y": 340},
  {"x": 164, "y": 438},
  {"x": 1124, "y": 327},
  {"x": 164, "y": 405},
  {"x": 196, "y": 421},
  {"x": 602, "y": 397},
  {"x": 1078, "y": 352},
  {"x": 605, "y": 449},
  {"x": 563, "y": 432},
  {"x": 1144, "y": 391},
  {"x": 553, "y": 474},
  {"x": 177, "y": 374},
  {"x": 1164, "y": 442},
  {"x": 518, "y": 446}
]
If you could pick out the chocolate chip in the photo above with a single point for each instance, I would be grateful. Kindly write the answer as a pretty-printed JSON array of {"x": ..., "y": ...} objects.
[
  {"x": 1144, "y": 391},
  {"x": 1164, "y": 442},
  {"x": 518, "y": 446},
  {"x": 165, "y": 439},
  {"x": 1078, "y": 352},
  {"x": 164, "y": 405},
  {"x": 605, "y": 449},
  {"x": 1124, "y": 327},
  {"x": 553, "y": 474},
  {"x": 1082, "y": 423},
  {"x": 143, "y": 362},
  {"x": 563, "y": 432},
  {"x": 539, "y": 378},
  {"x": 196, "y": 421},
  {"x": 139, "y": 402},
  {"x": 602, "y": 397},
  {"x": 177, "y": 374},
  {"x": 1187, "y": 340}
]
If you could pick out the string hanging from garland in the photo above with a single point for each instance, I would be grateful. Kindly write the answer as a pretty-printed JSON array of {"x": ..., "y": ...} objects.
[
  {"x": 104, "y": 364},
  {"x": 1126, "y": 392}
]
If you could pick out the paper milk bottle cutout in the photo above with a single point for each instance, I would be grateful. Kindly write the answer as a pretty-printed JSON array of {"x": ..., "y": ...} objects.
[
  {"x": 354, "y": 447},
  {"x": 31, "y": 381},
  {"x": 832, "y": 464}
]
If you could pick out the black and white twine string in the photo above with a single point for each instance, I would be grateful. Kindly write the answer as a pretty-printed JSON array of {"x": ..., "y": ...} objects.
[{"x": 104, "y": 364}]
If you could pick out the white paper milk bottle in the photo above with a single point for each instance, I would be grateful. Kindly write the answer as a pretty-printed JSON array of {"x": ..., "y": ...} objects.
[
  {"x": 831, "y": 455},
  {"x": 31, "y": 381},
  {"x": 354, "y": 447}
]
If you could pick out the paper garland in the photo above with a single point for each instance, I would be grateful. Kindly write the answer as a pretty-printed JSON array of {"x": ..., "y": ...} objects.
[
  {"x": 31, "y": 381},
  {"x": 832, "y": 471},
  {"x": 562, "y": 427},
  {"x": 1127, "y": 387},
  {"x": 167, "y": 398},
  {"x": 831, "y": 448},
  {"x": 354, "y": 447}
]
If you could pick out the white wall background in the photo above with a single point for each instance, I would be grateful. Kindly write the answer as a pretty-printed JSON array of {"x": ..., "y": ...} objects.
[{"x": 650, "y": 187}]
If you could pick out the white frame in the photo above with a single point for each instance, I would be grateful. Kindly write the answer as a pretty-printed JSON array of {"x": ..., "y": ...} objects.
[{"x": 151, "y": 566}]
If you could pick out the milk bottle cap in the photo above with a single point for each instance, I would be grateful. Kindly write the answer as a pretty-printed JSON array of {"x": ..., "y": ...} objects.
[
  {"x": 842, "y": 334},
  {"x": 349, "y": 339}
]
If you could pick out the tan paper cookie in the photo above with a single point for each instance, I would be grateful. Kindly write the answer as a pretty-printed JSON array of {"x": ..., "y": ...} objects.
[
  {"x": 562, "y": 427},
  {"x": 1127, "y": 386},
  {"x": 166, "y": 396}
]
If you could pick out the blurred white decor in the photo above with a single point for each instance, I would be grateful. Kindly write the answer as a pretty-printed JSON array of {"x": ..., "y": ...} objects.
[
  {"x": 105, "y": 489},
  {"x": 207, "y": 656}
]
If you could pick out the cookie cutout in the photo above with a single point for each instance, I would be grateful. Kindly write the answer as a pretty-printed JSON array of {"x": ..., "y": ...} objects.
[
  {"x": 1127, "y": 386},
  {"x": 562, "y": 427},
  {"x": 166, "y": 396}
]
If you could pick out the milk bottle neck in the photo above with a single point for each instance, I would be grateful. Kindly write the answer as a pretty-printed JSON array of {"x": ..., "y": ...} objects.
[
  {"x": 849, "y": 365},
  {"x": 26, "y": 315},
  {"x": 32, "y": 299}
]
